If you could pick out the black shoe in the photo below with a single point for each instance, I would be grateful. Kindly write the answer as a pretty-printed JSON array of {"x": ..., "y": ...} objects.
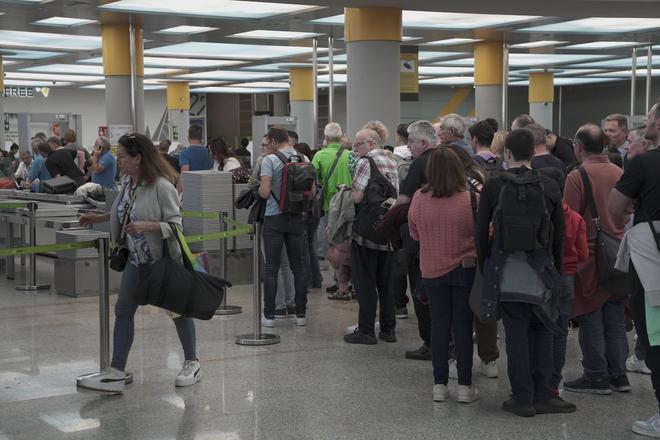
[
  {"x": 554, "y": 405},
  {"x": 358, "y": 337},
  {"x": 423, "y": 353},
  {"x": 339, "y": 296},
  {"x": 584, "y": 385},
  {"x": 291, "y": 311},
  {"x": 332, "y": 289},
  {"x": 518, "y": 409},
  {"x": 387, "y": 336},
  {"x": 402, "y": 313},
  {"x": 280, "y": 314},
  {"x": 620, "y": 384}
]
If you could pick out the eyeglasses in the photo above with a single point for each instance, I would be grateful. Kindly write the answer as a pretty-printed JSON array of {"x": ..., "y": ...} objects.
[{"x": 359, "y": 144}]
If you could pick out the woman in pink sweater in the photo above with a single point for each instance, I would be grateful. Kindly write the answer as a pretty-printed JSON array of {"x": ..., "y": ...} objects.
[{"x": 441, "y": 219}]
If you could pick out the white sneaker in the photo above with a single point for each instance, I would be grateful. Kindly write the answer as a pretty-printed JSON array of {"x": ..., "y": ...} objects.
[
  {"x": 648, "y": 428},
  {"x": 301, "y": 322},
  {"x": 112, "y": 380},
  {"x": 440, "y": 393},
  {"x": 189, "y": 375},
  {"x": 488, "y": 369},
  {"x": 636, "y": 365},
  {"x": 467, "y": 394},
  {"x": 351, "y": 328},
  {"x": 453, "y": 372},
  {"x": 265, "y": 322}
]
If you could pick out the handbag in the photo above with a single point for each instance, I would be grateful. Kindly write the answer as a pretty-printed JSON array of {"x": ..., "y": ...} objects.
[
  {"x": 119, "y": 254},
  {"x": 607, "y": 247},
  {"x": 177, "y": 287},
  {"x": 521, "y": 282},
  {"x": 245, "y": 199}
]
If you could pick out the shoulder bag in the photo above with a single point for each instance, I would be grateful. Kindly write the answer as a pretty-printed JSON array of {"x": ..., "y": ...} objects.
[
  {"x": 119, "y": 255},
  {"x": 607, "y": 247}
]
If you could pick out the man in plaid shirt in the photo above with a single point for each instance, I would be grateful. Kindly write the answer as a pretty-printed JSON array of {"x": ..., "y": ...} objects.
[{"x": 372, "y": 262}]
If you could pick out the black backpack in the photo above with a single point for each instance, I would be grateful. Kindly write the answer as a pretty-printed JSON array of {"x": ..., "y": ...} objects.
[
  {"x": 492, "y": 167},
  {"x": 371, "y": 211},
  {"x": 521, "y": 220},
  {"x": 298, "y": 185}
]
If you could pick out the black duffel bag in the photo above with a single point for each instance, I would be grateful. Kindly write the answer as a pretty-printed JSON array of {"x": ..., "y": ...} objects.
[
  {"x": 60, "y": 185},
  {"x": 177, "y": 287}
]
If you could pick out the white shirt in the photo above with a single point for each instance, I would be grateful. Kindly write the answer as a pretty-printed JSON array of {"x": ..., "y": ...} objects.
[
  {"x": 22, "y": 171},
  {"x": 231, "y": 164},
  {"x": 403, "y": 152}
]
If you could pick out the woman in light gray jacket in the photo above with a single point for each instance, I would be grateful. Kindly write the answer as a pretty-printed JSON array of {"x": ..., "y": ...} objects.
[{"x": 147, "y": 204}]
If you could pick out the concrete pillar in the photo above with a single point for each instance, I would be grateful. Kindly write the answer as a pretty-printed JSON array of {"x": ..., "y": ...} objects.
[
  {"x": 117, "y": 71},
  {"x": 2, "y": 106},
  {"x": 488, "y": 66},
  {"x": 541, "y": 97},
  {"x": 280, "y": 103},
  {"x": 301, "y": 98},
  {"x": 178, "y": 108},
  {"x": 373, "y": 40}
]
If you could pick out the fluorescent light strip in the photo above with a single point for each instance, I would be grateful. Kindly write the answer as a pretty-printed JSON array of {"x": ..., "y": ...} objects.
[
  {"x": 449, "y": 81},
  {"x": 339, "y": 78},
  {"x": 528, "y": 59},
  {"x": 602, "y": 45},
  {"x": 568, "y": 81},
  {"x": 43, "y": 40},
  {"x": 229, "y": 50},
  {"x": 274, "y": 35},
  {"x": 451, "y": 41},
  {"x": 226, "y": 89},
  {"x": 173, "y": 62},
  {"x": 47, "y": 77},
  {"x": 444, "y": 20},
  {"x": 619, "y": 63},
  {"x": 263, "y": 85},
  {"x": 598, "y": 25},
  {"x": 19, "y": 54},
  {"x": 534, "y": 44},
  {"x": 145, "y": 87},
  {"x": 33, "y": 83},
  {"x": 226, "y": 75},
  {"x": 186, "y": 30},
  {"x": 88, "y": 69},
  {"x": 64, "y": 22},
  {"x": 443, "y": 70},
  {"x": 206, "y": 8},
  {"x": 626, "y": 73}
]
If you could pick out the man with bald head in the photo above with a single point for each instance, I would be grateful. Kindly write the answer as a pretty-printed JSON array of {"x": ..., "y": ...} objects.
[{"x": 601, "y": 317}]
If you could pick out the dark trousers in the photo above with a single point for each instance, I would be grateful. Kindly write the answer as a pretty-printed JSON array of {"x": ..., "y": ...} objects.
[
  {"x": 638, "y": 309},
  {"x": 448, "y": 297},
  {"x": 312, "y": 267},
  {"x": 559, "y": 341},
  {"x": 486, "y": 340},
  {"x": 406, "y": 272},
  {"x": 529, "y": 353},
  {"x": 371, "y": 271},
  {"x": 288, "y": 231}
]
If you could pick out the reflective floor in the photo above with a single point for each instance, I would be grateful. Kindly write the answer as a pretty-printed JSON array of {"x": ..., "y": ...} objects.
[{"x": 310, "y": 386}]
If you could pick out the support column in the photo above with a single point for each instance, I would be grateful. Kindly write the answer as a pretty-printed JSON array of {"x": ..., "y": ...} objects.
[
  {"x": 541, "y": 97},
  {"x": 117, "y": 70},
  {"x": 2, "y": 106},
  {"x": 178, "y": 109},
  {"x": 488, "y": 68},
  {"x": 373, "y": 40},
  {"x": 301, "y": 98}
]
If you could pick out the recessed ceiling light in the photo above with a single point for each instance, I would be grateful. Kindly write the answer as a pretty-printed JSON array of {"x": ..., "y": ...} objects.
[
  {"x": 87, "y": 69},
  {"x": 64, "y": 22},
  {"x": 263, "y": 85},
  {"x": 227, "y": 75},
  {"x": 529, "y": 59},
  {"x": 274, "y": 35},
  {"x": 598, "y": 25},
  {"x": 534, "y": 44},
  {"x": 48, "y": 77},
  {"x": 407, "y": 38},
  {"x": 186, "y": 30},
  {"x": 449, "y": 81},
  {"x": 602, "y": 45},
  {"x": 451, "y": 41},
  {"x": 229, "y": 50},
  {"x": 206, "y": 8},
  {"x": 43, "y": 40},
  {"x": 443, "y": 70}
]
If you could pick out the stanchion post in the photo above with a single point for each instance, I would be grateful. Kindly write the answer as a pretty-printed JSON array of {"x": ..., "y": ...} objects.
[
  {"x": 224, "y": 309},
  {"x": 257, "y": 338},
  {"x": 31, "y": 284}
]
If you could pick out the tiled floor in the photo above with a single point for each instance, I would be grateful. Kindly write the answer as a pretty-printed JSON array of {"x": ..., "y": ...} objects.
[{"x": 310, "y": 386}]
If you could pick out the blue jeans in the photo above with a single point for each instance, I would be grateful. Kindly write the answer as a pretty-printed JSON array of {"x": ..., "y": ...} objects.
[
  {"x": 124, "y": 331},
  {"x": 559, "y": 341},
  {"x": 287, "y": 231},
  {"x": 448, "y": 297},
  {"x": 603, "y": 341}
]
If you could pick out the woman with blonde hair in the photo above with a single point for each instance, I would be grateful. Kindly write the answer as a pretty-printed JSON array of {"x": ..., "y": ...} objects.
[
  {"x": 497, "y": 146},
  {"x": 379, "y": 128}
]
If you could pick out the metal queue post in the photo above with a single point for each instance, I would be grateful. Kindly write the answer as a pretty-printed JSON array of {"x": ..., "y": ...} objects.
[
  {"x": 31, "y": 284},
  {"x": 257, "y": 338},
  {"x": 225, "y": 309}
]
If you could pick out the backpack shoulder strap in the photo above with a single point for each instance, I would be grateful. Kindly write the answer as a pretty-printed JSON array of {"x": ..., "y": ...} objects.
[
  {"x": 589, "y": 194},
  {"x": 281, "y": 156},
  {"x": 473, "y": 204},
  {"x": 655, "y": 234},
  {"x": 340, "y": 151}
]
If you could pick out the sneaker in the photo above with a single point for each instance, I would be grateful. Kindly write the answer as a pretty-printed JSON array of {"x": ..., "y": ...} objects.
[
  {"x": 423, "y": 353},
  {"x": 387, "y": 336},
  {"x": 340, "y": 296},
  {"x": 267, "y": 322},
  {"x": 351, "y": 328},
  {"x": 301, "y": 321},
  {"x": 357, "y": 337},
  {"x": 648, "y": 428},
  {"x": 332, "y": 289},
  {"x": 112, "y": 380},
  {"x": 467, "y": 394},
  {"x": 402, "y": 313},
  {"x": 280, "y": 314},
  {"x": 518, "y": 409},
  {"x": 189, "y": 375},
  {"x": 620, "y": 384},
  {"x": 636, "y": 365},
  {"x": 554, "y": 405},
  {"x": 453, "y": 372},
  {"x": 584, "y": 385},
  {"x": 488, "y": 369},
  {"x": 291, "y": 311},
  {"x": 440, "y": 393}
]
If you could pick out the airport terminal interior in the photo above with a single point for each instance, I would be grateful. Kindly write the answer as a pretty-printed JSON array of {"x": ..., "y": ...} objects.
[{"x": 235, "y": 76}]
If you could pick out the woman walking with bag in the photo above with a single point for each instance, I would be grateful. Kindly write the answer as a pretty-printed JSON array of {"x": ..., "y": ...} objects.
[
  {"x": 440, "y": 218},
  {"x": 140, "y": 221}
]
